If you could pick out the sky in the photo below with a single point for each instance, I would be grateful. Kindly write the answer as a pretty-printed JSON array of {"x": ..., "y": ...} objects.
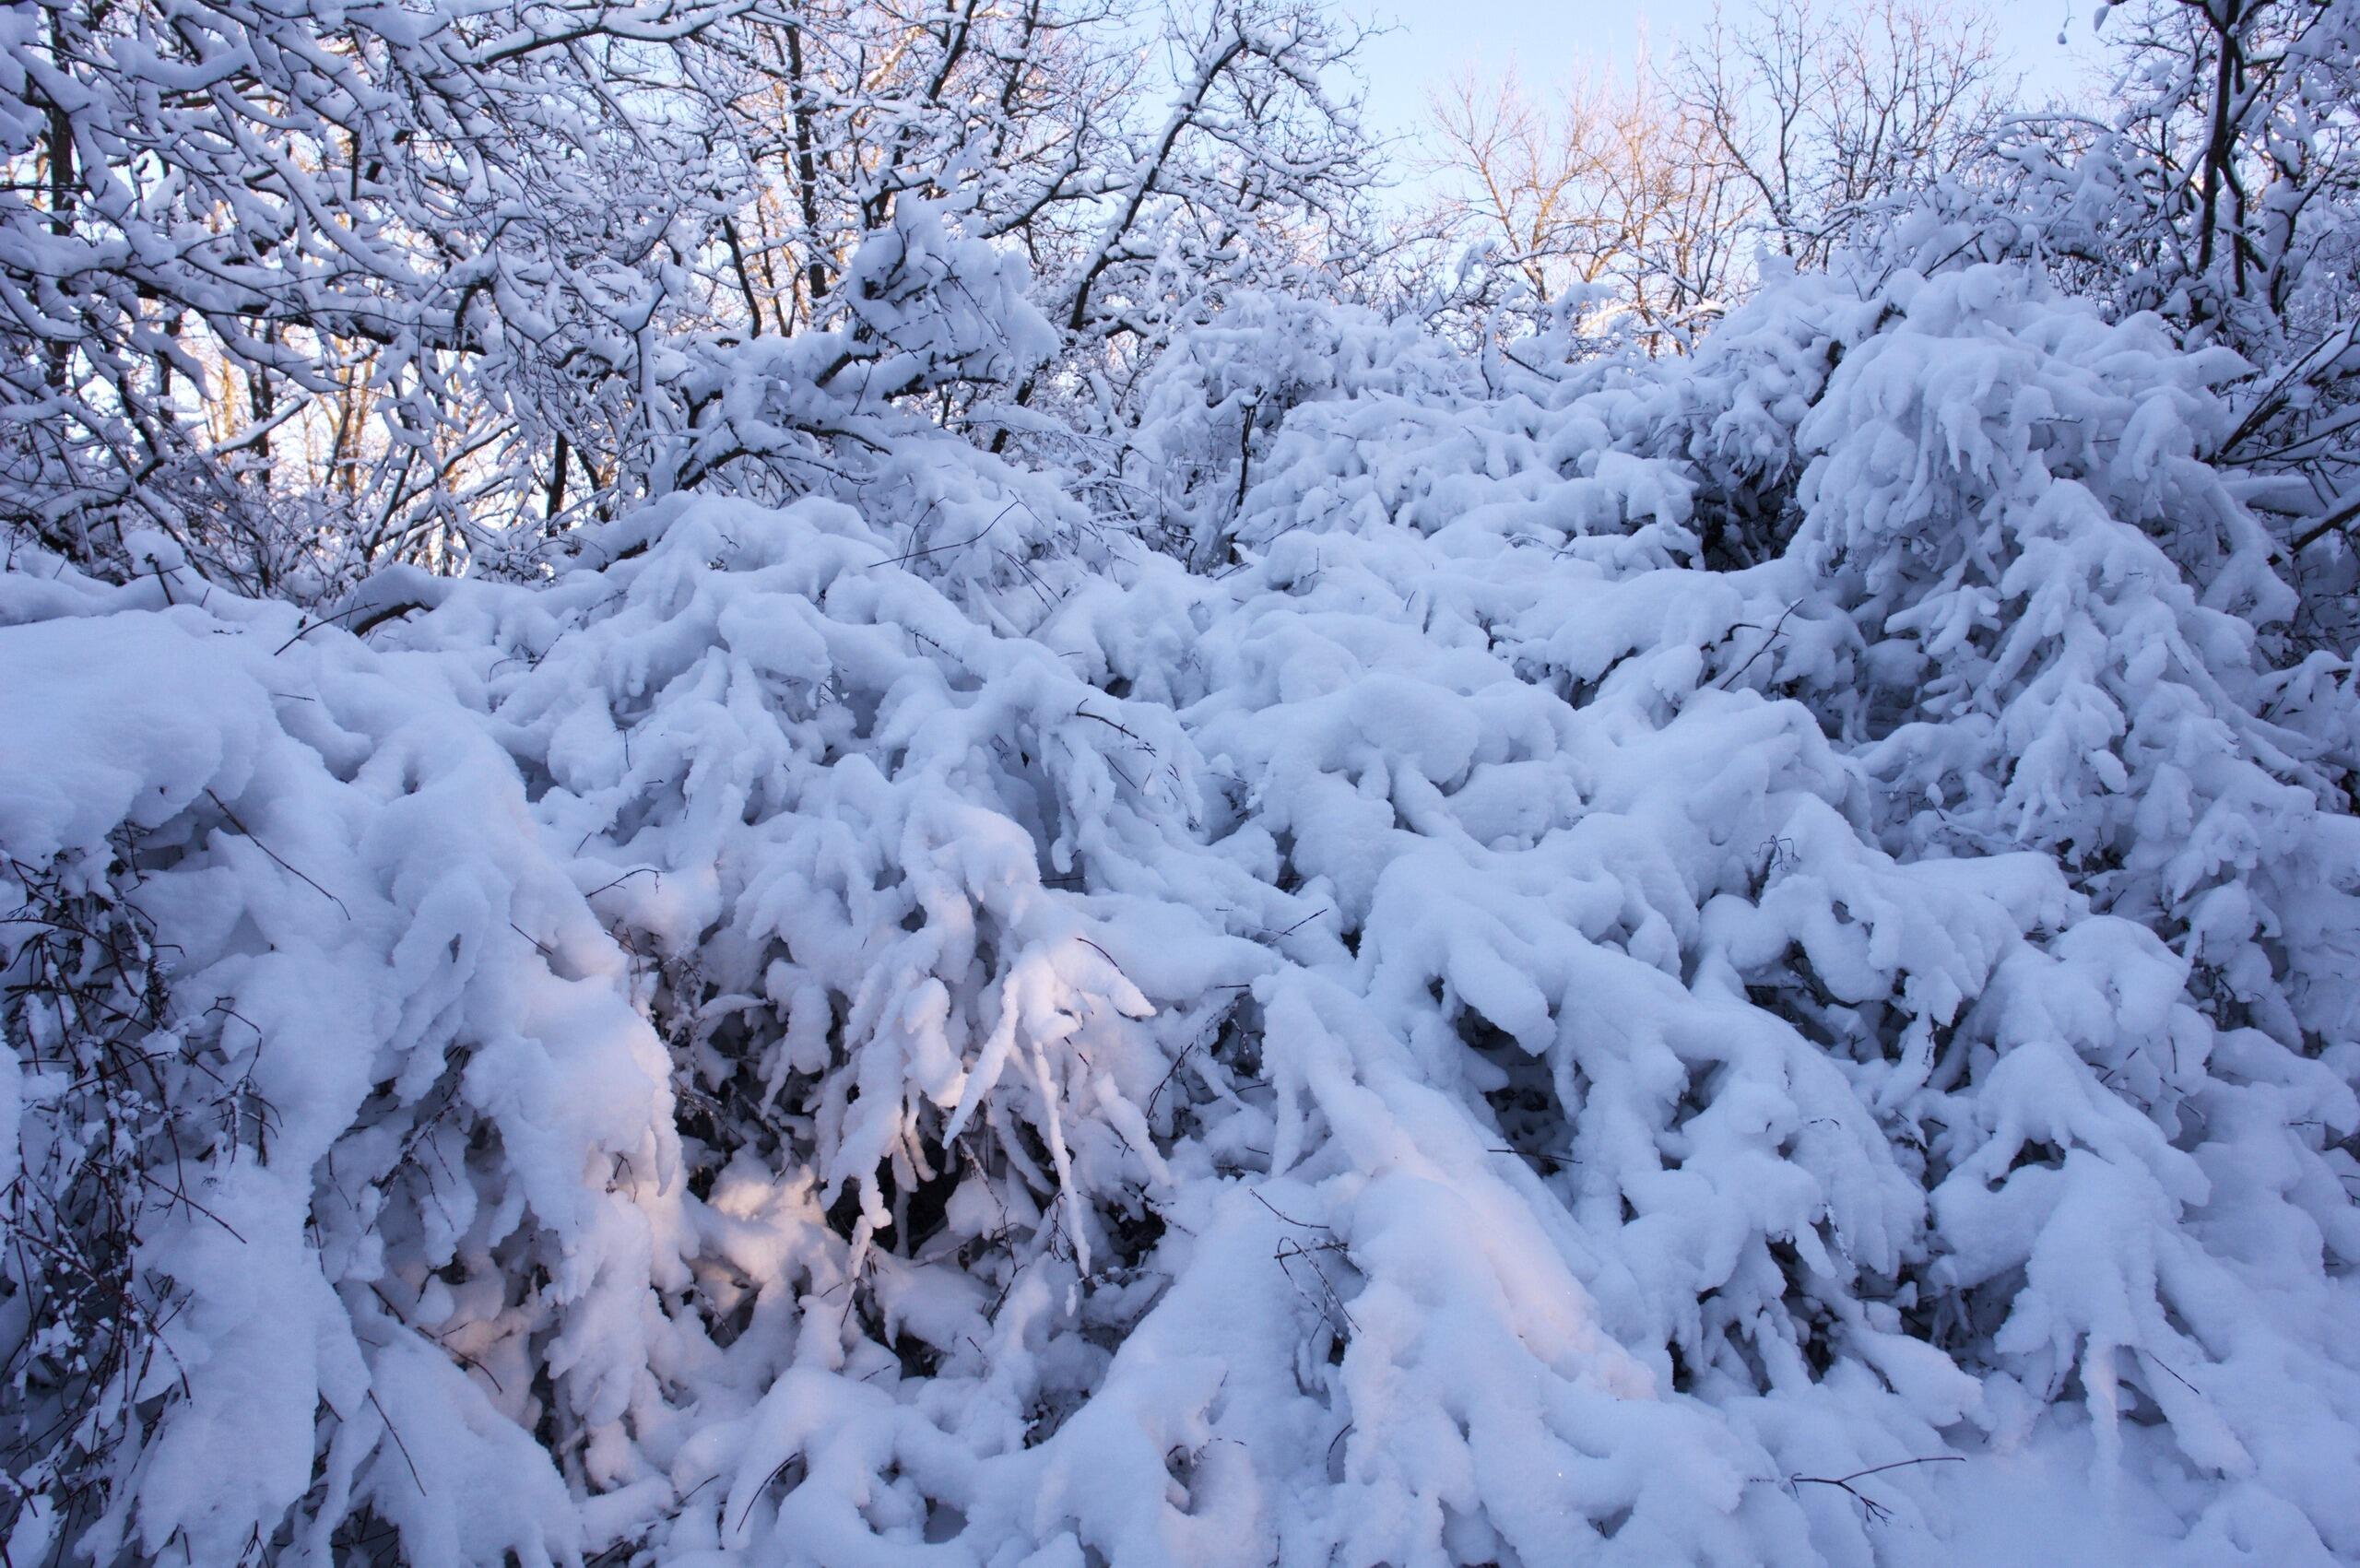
[{"x": 1430, "y": 40}]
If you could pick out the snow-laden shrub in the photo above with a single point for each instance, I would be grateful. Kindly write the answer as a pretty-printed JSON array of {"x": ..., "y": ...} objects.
[
  {"x": 1461, "y": 1036},
  {"x": 401, "y": 1220}
]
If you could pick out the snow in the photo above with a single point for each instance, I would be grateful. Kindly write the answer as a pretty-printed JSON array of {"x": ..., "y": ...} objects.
[{"x": 1436, "y": 1019}]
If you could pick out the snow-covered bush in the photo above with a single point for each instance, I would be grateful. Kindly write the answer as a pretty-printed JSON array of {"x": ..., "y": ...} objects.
[
  {"x": 1733, "y": 961},
  {"x": 2219, "y": 188}
]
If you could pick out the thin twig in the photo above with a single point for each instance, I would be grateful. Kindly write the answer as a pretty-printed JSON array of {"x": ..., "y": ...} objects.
[
  {"x": 626, "y": 877},
  {"x": 1723, "y": 684},
  {"x": 257, "y": 840},
  {"x": 1875, "y": 1510},
  {"x": 394, "y": 1433},
  {"x": 956, "y": 544},
  {"x": 1300, "y": 1224}
]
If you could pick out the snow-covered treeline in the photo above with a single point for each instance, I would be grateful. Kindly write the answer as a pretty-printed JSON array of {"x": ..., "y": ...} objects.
[{"x": 917, "y": 854}]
